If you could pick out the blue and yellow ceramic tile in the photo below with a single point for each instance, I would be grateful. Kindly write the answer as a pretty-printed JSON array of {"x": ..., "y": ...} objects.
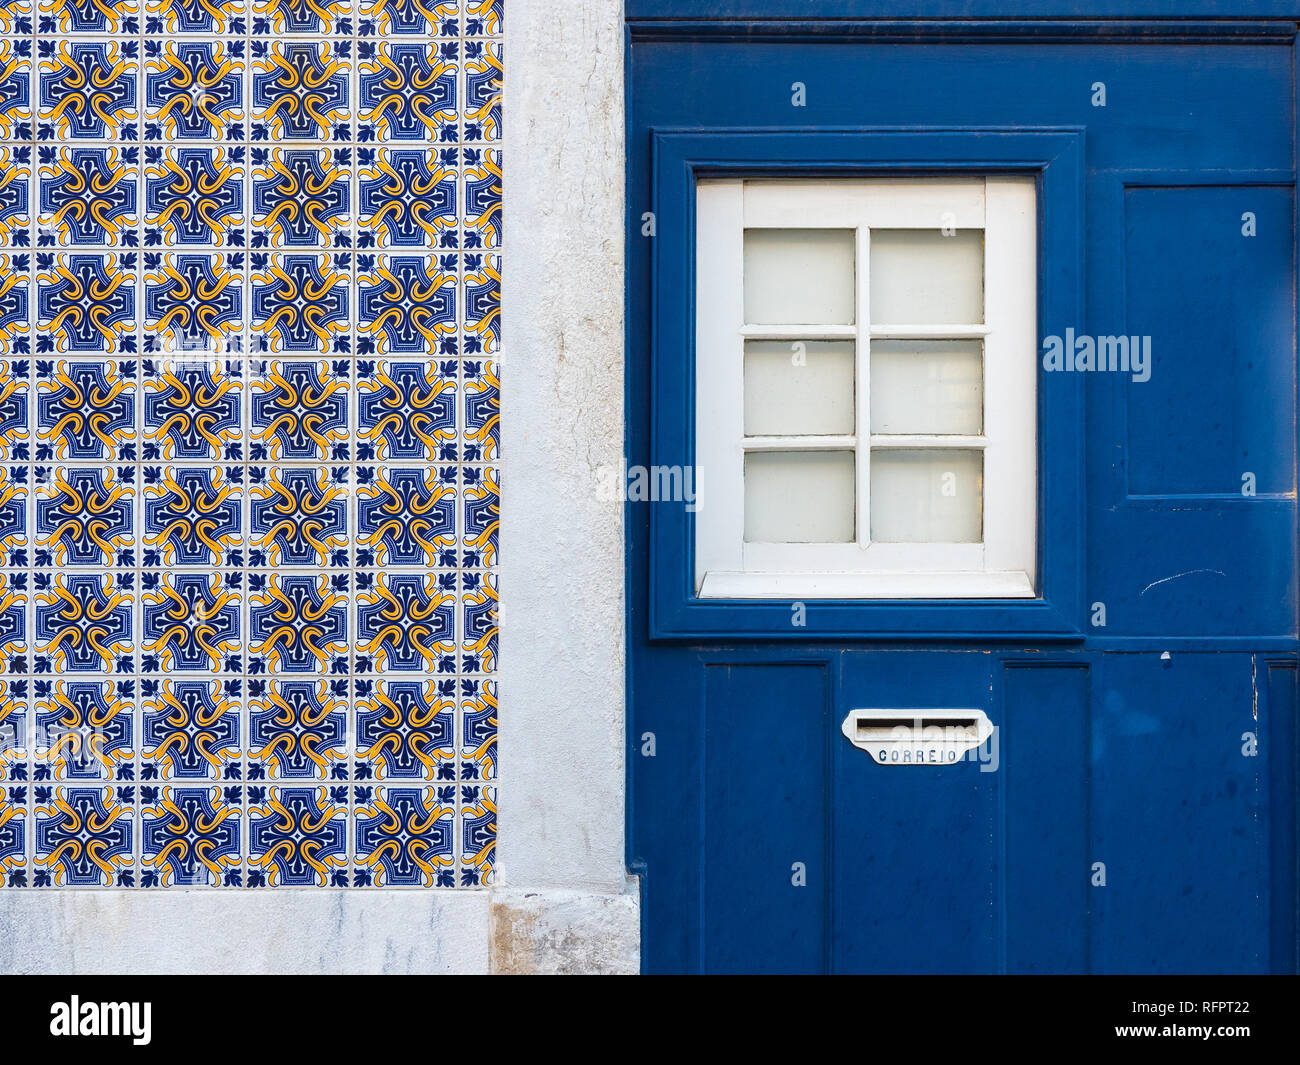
[
  {"x": 297, "y": 836},
  {"x": 192, "y": 408},
  {"x": 13, "y": 834},
  {"x": 15, "y": 195},
  {"x": 193, "y": 197},
  {"x": 15, "y": 410},
  {"x": 88, "y": 89},
  {"x": 189, "y": 836},
  {"x": 190, "y": 730},
  {"x": 84, "y": 836},
  {"x": 405, "y": 836},
  {"x": 302, "y": 197},
  {"x": 166, "y": 18},
  {"x": 193, "y": 301},
  {"x": 298, "y": 517},
  {"x": 86, "y": 302},
  {"x": 408, "y": 91},
  {"x": 281, "y": 18},
  {"x": 405, "y": 517},
  {"x": 15, "y": 612},
  {"x": 14, "y": 504},
  {"x": 194, "y": 90},
  {"x": 479, "y": 622},
  {"x": 300, "y": 90},
  {"x": 481, "y": 420},
  {"x": 192, "y": 516},
  {"x": 15, "y": 782},
  {"x": 406, "y": 410},
  {"x": 84, "y": 731},
  {"x": 190, "y": 623},
  {"x": 84, "y": 622},
  {"x": 484, "y": 18},
  {"x": 299, "y": 302},
  {"x": 298, "y": 622},
  {"x": 15, "y": 314},
  {"x": 89, "y": 196},
  {"x": 478, "y": 827},
  {"x": 405, "y": 729},
  {"x": 480, "y": 516},
  {"x": 85, "y": 516},
  {"x": 16, "y": 17},
  {"x": 85, "y": 410},
  {"x": 15, "y": 78},
  {"x": 482, "y": 92},
  {"x": 407, "y": 199},
  {"x": 297, "y": 729},
  {"x": 482, "y": 197},
  {"x": 401, "y": 18},
  {"x": 482, "y": 304},
  {"x": 299, "y": 411},
  {"x": 100, "y": 17},
  {"x": 405, "y": 622},
  {"x": 406, "y": 304}
]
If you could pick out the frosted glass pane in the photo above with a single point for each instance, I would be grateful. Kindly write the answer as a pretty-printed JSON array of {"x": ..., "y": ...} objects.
[
  {"x": 804, "y": 389},
  {"x": 927, "y": 496},
  {"x": 927, "y": 386},
  {"x": 799, "y": 497},
  {"x": 921, "y": 277},
  {"x": 799, "y": 275}
]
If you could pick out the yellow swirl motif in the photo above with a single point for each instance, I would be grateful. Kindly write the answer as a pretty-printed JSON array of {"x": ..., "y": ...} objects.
[
  {"x": 294, "y": 410},
  {"x": 297, "y": 729},
  {"x": 184, "y": 834},
  {"x": 409, "y": 727},
  {"x": 408, "y": 624},
  {"x": 92, "y": 303},
  {"x": 202, "y": 527},
  {"x": 180, "y": 79}
]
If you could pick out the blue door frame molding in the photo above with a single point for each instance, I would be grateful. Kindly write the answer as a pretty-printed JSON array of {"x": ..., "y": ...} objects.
[
  {"x": 683, "y": 157},
  {"x": 1112, "y": 751}
]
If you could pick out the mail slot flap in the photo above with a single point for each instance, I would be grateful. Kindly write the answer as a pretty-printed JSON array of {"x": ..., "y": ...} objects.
[{"x": 917, "y": 736}]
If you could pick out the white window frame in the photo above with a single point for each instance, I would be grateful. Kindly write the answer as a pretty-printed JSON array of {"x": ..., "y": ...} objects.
[{"x": 1004, "y": 564}]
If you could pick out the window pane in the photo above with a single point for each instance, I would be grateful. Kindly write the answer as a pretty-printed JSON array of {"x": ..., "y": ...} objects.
[
  {"x": 799, "y": 275},
  {"x": 927, "y": 496},
  {"x": 799, "y": 497},
  {"x": 798, "y": 388},
  {"x": 921, "y": 277},
  {"x": 927, "y": 386}
]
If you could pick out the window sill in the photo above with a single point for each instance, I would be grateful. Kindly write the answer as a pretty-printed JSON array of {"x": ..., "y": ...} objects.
[{"x": 737, "y": 584}]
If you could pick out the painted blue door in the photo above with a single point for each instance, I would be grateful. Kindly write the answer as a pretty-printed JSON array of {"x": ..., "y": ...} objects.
[{"x": 1137, "y": 813}]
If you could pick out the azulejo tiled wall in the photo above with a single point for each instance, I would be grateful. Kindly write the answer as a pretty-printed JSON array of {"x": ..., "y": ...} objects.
[{"x": 249, "y": 265}]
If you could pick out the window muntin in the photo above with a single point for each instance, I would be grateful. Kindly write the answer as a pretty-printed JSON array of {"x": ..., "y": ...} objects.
[{"x": 866, "y": 365}]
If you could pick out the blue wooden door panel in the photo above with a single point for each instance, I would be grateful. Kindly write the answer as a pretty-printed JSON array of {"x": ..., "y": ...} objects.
[
  {"x": 1217, "y": 298},
  {"x": 1045, "y": 774},
  {"x": 916, "y": 851},
  {"x": 765, "y": 811},
  {"x": 1276, "y": 679},
  {"x": 1105, "y": 753},
  {"x": 1178, "y": 816},
  {"x": 1176, "y": 548}
]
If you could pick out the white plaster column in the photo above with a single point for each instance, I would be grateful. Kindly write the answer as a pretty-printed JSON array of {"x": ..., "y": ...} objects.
[{"x": 562, "y": 901}]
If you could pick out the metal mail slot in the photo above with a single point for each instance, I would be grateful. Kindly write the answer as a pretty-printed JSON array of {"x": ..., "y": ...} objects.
[{"x": 917, "y": 736}]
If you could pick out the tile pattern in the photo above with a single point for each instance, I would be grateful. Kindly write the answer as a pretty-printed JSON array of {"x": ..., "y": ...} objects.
[{"x": 250, "y": 254}]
